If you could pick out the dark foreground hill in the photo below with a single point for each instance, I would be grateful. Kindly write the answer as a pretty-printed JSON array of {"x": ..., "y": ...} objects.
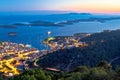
[
  {"x": 102, "y": 46},
  {"x": 102, "y": 71}
]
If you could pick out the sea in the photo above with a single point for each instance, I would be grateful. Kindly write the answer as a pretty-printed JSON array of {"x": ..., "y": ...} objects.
[{"x": 35, "y": 35}]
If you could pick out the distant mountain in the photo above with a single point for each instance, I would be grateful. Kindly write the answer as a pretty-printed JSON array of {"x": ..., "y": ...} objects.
[
  {"x": 73, "y": 14},
  {"x": 80, "y": 14},
  {"x": 57, "y": 20},
  {"x": 37, "y": 12}
]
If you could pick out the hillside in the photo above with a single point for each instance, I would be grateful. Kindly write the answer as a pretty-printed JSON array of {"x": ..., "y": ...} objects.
[
  {"x": 102, "y": 46},
  {"x": 102, "y": 71}
]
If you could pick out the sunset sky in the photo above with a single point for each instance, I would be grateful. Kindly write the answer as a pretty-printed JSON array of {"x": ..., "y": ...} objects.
[{"x": 94, "y": 6}]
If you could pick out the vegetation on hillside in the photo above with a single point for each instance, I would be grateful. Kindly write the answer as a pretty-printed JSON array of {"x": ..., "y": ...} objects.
[
  {"x": 102, "y": 46},
  {"x": 102, "y": 71}
]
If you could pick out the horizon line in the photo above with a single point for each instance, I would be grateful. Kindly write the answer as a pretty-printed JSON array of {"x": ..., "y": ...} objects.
[{"x": 61, "y": 11}]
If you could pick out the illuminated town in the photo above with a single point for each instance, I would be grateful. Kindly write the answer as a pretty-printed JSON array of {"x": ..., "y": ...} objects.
[
  {"x": 62, "y": 42},
  {"x": 13, "y": 56}
]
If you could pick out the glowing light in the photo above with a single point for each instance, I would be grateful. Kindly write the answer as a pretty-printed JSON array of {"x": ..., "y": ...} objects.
[{"x": 49, "y": 32}]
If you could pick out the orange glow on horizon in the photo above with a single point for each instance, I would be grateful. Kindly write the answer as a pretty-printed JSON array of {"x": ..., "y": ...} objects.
[{"x": 95, "y": 7}]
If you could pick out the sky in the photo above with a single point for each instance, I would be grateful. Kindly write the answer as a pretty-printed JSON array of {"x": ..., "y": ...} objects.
[{"x": 94, "y": 6}]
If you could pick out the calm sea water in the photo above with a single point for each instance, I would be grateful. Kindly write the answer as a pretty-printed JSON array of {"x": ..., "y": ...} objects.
[{"x": 36, "y": 35}]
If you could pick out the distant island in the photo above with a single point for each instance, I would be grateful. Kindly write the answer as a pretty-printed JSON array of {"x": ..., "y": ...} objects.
[
  {"x": 79, "y": 13},
  {"x": 62, "y": 23},
  {"x": 12, "y": 34},
  {"x": 7, "y": 26}
]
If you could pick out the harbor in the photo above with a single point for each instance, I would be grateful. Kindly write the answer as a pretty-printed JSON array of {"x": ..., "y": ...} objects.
[{"x": 15, "y": 58}]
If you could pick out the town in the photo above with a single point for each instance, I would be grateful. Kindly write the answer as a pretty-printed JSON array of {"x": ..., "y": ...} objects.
[
  {"x": 62, "y": 42},
  {"x": 14, "y": 57}
]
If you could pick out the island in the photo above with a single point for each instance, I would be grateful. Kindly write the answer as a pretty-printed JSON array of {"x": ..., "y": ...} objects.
[{"x": 12, "y": 34}]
